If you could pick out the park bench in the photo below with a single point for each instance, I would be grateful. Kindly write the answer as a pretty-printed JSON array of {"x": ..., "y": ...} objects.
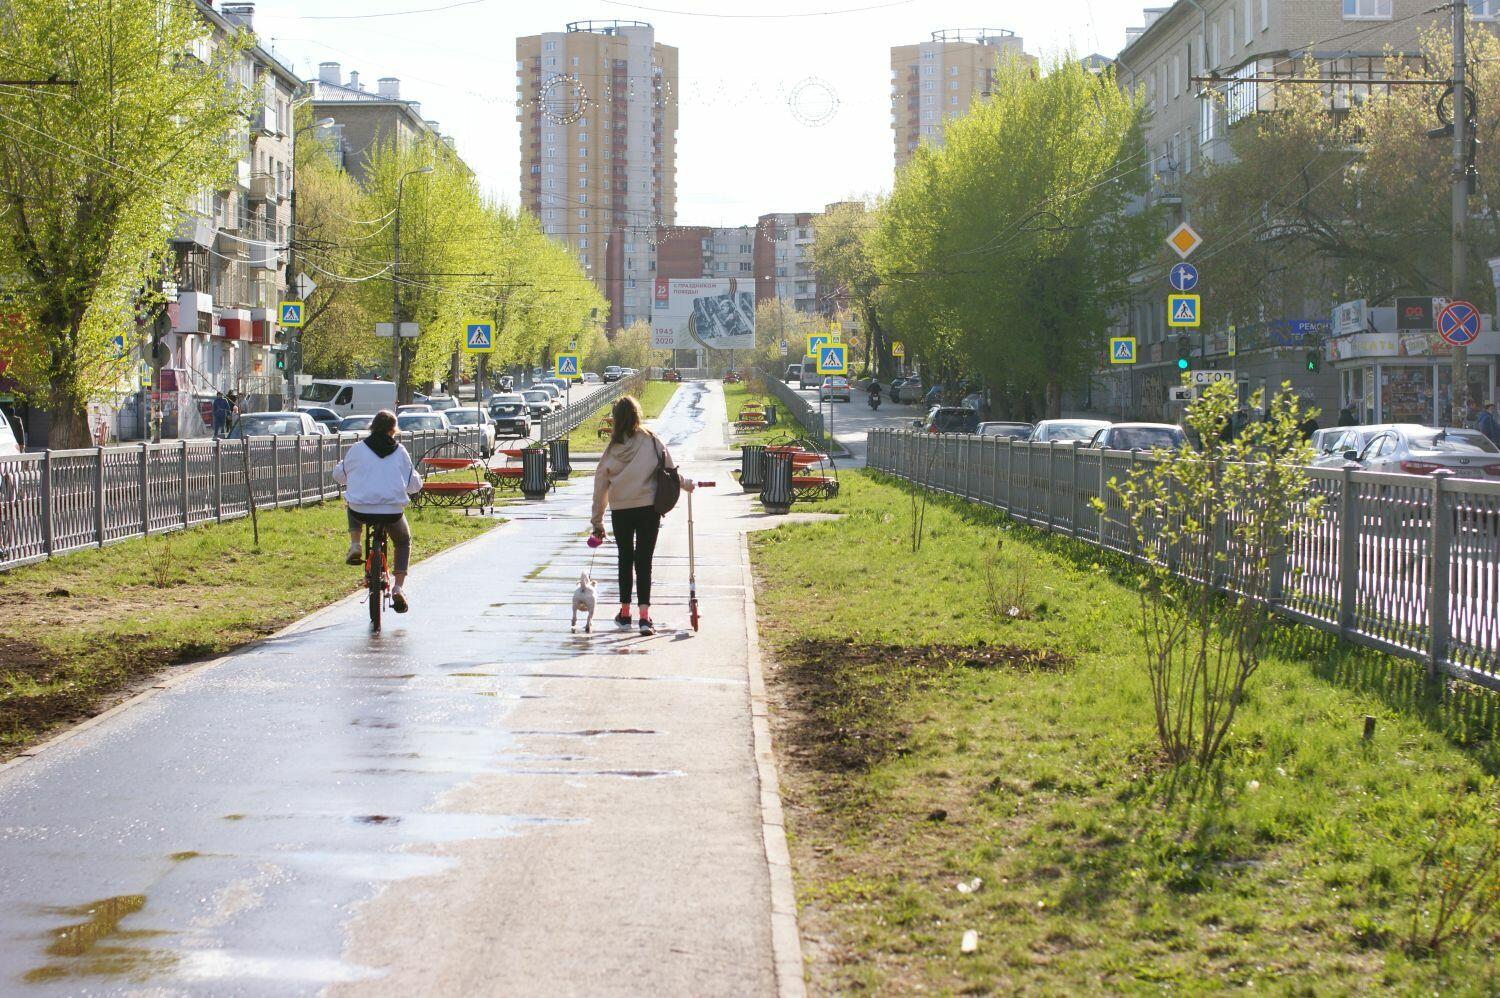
[
  {"x": 814, "y": 476},
  {"x": 466, "y": 493}
]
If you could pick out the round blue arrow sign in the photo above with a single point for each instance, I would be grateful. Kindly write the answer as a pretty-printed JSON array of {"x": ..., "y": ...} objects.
[
  {"x": 1183, "y": 277},
  {"x": 1459, "y": 323}
]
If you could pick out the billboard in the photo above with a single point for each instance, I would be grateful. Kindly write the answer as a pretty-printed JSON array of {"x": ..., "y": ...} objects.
[{"x": 709, "y": 313}]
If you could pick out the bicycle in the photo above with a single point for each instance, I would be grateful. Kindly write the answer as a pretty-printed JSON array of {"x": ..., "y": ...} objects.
[{"x": 377, "y": 578}]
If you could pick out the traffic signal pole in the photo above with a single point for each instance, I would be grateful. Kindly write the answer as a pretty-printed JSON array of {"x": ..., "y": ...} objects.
[{"x": 1459, "y": 390}]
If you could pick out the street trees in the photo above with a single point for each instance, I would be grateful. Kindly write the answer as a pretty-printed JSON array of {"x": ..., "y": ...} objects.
[
  {"x": 1005, "y": 252},
  {"x": 93, "y": 177},
  {"x": 841, "y": 254}
]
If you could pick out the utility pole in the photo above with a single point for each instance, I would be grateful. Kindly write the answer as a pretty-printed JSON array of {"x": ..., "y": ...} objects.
[{"x": 1460, "y": 388}]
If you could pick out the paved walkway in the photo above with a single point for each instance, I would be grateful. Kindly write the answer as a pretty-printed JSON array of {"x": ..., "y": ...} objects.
[{"x": 476, "y": 802}]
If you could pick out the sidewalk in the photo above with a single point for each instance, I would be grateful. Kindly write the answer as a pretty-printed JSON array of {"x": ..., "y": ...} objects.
[{"x": 476, "y": 802}]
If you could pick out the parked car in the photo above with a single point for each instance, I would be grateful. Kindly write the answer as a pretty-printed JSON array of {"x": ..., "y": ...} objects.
[
  {"x": 1331, "y": 446},
  {"x": 512, "y": 415},
  {"x": 1422, "y": 450},
  {"x": 1139, "y": 436},
  {"x": 671, "y": 375},
  {"x": 793, "y": 373},
  {"x": 323, "y": 416},
  {"x": 475, "y": 417},
  {"x": 554, "y": 397},
  {"x": 590, "y": 378},
  {"x": 273, "y": 424},
  {"x": 1049, "y": 430},
  {"x": 418, "y": 398},
  {"x": 355, "y": 424},
  {"x": 442, "y": 403},
  {"x": 1009, "y": 431},
  {"x": 349, "y": 397},
  {"x": 402, "y": 410},
  {"x": 949, "y": 419},
  {"x": 8, "y": 443},
  {"x": 807, "y": 374},
  {"x": 910, "y": 392},
  {"x": 561, "y": 384},
  {"x": 613, "y": 373},
  {"x": 973, "y": 400},
  {"x": 539, "y": 402},
  {"x": 415, "y": 421},
  {"x": 834, "y": 390}
]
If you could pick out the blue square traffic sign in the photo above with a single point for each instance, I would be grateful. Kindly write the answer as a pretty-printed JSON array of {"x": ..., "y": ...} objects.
[
  {"x": 833, "y": 358},
  {"x": 479, "y": 337}
]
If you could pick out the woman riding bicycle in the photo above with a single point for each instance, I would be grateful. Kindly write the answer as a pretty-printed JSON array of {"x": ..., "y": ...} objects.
[{"x": 379, "y": 481}]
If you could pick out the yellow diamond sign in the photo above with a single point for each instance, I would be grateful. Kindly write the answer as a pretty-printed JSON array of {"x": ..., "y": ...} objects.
[{"x": 1184, "y": 240}]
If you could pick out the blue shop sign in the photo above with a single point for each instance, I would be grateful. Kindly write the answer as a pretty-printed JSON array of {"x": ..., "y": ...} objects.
[{"x": 1294, "y": 332}]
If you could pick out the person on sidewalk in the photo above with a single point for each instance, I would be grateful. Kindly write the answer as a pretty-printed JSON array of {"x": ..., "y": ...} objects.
[
  {"x": 626, "y": 480},
  {"x": 379, "y": 481},
  {"x": 221, "y": 415},
  {"x": 1489, "y": 424}
]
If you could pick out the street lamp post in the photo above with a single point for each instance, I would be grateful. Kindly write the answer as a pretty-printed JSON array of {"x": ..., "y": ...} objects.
[
  {"x": 294, "y": 358},
  {"x": 396, "y": 282}
]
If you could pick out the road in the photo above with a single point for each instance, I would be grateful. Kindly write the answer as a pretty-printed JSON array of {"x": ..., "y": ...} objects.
[
  {"x": 853, "y": 420},
  {"x": 476, "y": 802}
]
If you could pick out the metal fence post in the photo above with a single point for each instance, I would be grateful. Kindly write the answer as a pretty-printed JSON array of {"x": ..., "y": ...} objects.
[
  {"x": 1348, "y": 550},
  {"x": 299, "y": 469},
  {"x": 182, "y": 478},
  {"x": 1103, "y": 500},
  {"x": 218, "y": 480},
  {"x": 322, "y": 474},
  {"x": 99, "y": 494},
  {"x": 1010, "y": 463},
  {"x": 46, "y": 502},
  {"x": 145, "y": 488},
  {"x": 1073, "y": 477},
  {"x": 1440, "y": 561},
  {"x": 275, "y": 472},
  {"x": 1051, "y": 481}
]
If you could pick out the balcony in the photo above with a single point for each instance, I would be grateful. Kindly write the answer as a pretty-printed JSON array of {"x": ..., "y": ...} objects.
[
  {"x": 195, "y": 230},
  {"x": 263, "y": 187},
  {"x": 264, "y": 255}
]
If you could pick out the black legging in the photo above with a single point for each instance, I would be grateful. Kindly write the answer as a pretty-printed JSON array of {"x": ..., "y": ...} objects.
[{"x": 635, "y": 539}]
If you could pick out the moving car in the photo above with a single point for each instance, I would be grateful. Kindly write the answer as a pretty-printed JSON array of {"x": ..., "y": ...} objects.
[
  {"x": 413, "y": 407},
  {"x": 1139, "y": 436},
  {"x": 1008, "y": 431},
  {"x": 323, "y": 415},
  {"x": 613, "y": 373},
  {"x": 512, "y": 415},
  {"x": 807, "y": 373},
  {"x": 554, "y": 396},
  {"x": 349, "y": 396},
  {"x": 273, "y": 424},
  {"x": 793, "y": 373},
  {"x": 1421, "y": 450},
  {"x": 355, "y": 424},
  {"x": 834, "y": 389},
  {"x": 442, "y": 403},
  {"x": 539, "y": 402},
  {"x": 413, "y": 421},
  {"x": 475, "y": 417},
  {"x": 949, "y": 419},
  {"x": 1049, "y": 430},
  {"x": 590, "y": 378}
]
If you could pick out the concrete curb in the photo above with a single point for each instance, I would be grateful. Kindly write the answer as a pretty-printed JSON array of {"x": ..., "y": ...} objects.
[
  {"x": 9, "y": 768},
  {"x": 786, "y": 938}
]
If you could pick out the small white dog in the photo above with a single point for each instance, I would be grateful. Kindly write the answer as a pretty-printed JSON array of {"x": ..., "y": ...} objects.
[{"x": 583, "y": 599}]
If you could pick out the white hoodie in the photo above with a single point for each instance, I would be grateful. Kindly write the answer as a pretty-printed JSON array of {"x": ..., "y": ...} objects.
[{"x": 375, "y": 484}]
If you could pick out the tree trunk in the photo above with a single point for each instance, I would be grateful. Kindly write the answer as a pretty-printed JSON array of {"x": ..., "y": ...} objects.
[
  {"x": 69, "y": 416},
  {"x": 1054, "y": 400}
]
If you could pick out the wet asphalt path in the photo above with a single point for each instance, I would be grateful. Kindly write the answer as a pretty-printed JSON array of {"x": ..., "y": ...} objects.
[
  {"x": 853, "y": 420},
  {"x": 475, "y": 802}
]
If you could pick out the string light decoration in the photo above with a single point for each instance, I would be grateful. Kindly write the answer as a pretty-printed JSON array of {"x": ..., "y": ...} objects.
[
  {"x": 563, "y": 100},
  {"x": 813, "y": 102}
]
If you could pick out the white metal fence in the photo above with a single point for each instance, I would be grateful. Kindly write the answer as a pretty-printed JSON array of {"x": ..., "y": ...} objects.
[
  {"x": 799, "y": 408},
  {"x": 560, "y": 424},
  {"x": 1406, "y": 564},
  {"x": 55, "y": 502}
]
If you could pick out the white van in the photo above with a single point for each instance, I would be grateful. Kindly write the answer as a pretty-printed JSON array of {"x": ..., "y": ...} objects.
[
  {"x": 349, "y": 397},
  {"x": 8, "y": 443}
]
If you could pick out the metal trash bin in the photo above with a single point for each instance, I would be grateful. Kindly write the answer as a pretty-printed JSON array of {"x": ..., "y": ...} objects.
[
  {"x": 558, "y": 451},
  {"x": 534, "y": 481},
  {"x": 776, "y": 491},
  {"x": 770, "y": 414},
  {"x": 752, "y": 467}
]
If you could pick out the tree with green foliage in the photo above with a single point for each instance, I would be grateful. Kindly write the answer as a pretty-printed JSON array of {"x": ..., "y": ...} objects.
[
  {"x": 841, "y": 254},
  {"x": 93, "y": 178},
  {"x": 1006, "y": 252}
]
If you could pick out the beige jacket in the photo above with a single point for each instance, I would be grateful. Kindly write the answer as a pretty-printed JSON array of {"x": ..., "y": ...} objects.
[{"x": 626, "y": 477}]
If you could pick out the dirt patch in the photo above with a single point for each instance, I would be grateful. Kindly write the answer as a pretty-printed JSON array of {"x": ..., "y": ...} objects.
[
  {"x": 851, "y": 695},
  {"x": 24, "y": 658}
]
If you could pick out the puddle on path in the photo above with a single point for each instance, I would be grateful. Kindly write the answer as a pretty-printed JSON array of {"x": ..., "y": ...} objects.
[{"x": 98, "y": 946}]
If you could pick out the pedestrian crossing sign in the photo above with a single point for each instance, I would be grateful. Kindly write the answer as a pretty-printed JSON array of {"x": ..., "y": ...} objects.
[
  {"x": 291, "y": 314},
  {"x": 1182, "y": 311},
  {"x": 816, "y": 341},
  {"x": 479, "y": 337},
  {"x": 833, "y": 358},
  {"x": 1122, "y": 350},
  {"x": 568, "y": 366}
]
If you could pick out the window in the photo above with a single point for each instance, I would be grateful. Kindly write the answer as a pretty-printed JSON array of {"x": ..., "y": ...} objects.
[
  {"x": 1213, "y": 45},
  {"x": 583, "y": 136},
  {"x": 926, "y": 101},
  {"x": 927, "y": 87},
  {"x": 583, "y": 182},
  {"x": 1249, "y": 19},
  {"x": 1161, "y": 83},
  {"x": 583, "y": 244},
  {"x": 953, "y": 85},
  {"x": 927, "y": 71},
  {"x": 1176, "y": 76},
  {"x": 1265, "y": 14},
  {"x": 746, "y": 266},
  {"x": 1367, "y": 9},
  {"x": 952, "y": 70},
  {"x": 1229, "y": 33},
  {"x": 953, "y": 100},
  {"x": 583, "y": 213},
  {"x": 550, "y": 46}
]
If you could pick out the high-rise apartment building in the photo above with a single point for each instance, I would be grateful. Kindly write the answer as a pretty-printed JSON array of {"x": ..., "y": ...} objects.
[
  {"x": 939, "y": 79},
  {"x": 598, "y": 113},
  {"x": 365, "y": 119}
]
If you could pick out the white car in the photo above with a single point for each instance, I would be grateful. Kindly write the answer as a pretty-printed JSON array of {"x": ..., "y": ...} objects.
[
  {"x": 1082, "y": 430},
  {"x": 402, "y": 410},
  {"x": 834, "y": 390},
  {"x": 1422, "y": 450},
  {"x": 275, "y": 424},
  {"x": 474, "y": 417},
  {"x": 411, "y": 422},
  {"x": 8, "y": 443},
  {"x": 590, "y": 378}
]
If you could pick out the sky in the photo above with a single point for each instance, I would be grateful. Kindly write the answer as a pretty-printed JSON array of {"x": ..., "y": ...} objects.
[{"x": 786, "y": 112}]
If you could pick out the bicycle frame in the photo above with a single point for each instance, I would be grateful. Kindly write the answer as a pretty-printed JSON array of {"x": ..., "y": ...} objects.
[{"x": 377, "y": 582}]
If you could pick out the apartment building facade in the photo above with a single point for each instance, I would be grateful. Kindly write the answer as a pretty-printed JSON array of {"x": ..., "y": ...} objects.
[
  {"x": 598, "y": 114},
  {"x": 230, "y": 246},
  {"x": 936, "y": 80},
  {"x": 365, "y": 119},
  {"x": 1236, "y": 40},
  {"x": 783, "y": 259}
]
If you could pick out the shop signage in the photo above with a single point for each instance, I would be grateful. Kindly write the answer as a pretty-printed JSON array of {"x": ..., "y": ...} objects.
[
  {"x": 1349, "y": 317},
  {"x": 1418, "y": 312}
]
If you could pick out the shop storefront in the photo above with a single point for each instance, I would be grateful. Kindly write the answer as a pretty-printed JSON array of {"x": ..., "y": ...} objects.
[{"x": 1387, "y": 376}]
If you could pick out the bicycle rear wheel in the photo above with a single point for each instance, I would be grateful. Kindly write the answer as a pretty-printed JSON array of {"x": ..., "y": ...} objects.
[{"x": 375, "y": 574}]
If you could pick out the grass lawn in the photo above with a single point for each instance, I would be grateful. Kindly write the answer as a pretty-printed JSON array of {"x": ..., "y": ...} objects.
[
  {"x": 928, "y": 739},
  {"x": 75, "y": 630},
  {"x": 653, "y": 398},
  {"x": 735, "y": 397}
]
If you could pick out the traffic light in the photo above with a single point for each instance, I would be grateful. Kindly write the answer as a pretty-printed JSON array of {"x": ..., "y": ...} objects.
[
  {"x": 1184, "y": 354},
  {"x": 280, "y": 360},
  {"x": 1313, "y": 360}
]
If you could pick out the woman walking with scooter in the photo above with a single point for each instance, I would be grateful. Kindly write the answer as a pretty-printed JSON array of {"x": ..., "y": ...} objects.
[{"x": 638, "y": 480}]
